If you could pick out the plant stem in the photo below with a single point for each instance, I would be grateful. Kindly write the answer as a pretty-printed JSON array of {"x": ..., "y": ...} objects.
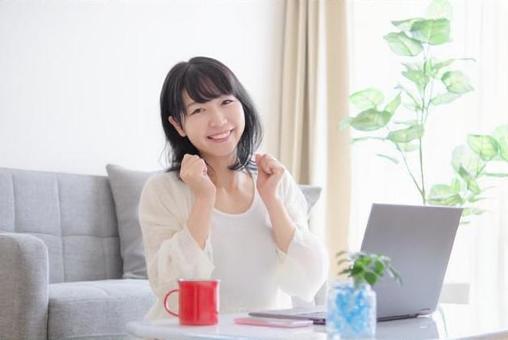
[
  {"x": 422, "y": 192},
  {"x": 423, "y": 119},
  {"x": 407, "y": 165}
]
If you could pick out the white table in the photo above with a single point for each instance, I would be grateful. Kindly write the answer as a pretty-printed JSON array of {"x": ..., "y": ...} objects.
[{"x": 449, "y": 322}]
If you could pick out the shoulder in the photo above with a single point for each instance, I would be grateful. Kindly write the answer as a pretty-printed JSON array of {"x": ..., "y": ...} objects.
[{"x": 165, "y": 185}]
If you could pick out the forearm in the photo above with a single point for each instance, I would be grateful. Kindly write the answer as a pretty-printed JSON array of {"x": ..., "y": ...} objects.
[
  {"x": 199, "y": 219},
  {"x": 283, "y": 227}
]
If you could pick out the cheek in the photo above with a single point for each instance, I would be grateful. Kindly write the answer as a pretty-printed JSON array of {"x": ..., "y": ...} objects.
[
  {"x": 193, "y": 127},
  {"x": 239, "y": 116}
]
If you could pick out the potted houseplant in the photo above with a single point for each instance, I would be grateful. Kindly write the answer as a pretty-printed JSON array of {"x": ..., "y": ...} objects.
[
  {"x": 351, "y": 304},
  {"x": 401, "y": 122}
]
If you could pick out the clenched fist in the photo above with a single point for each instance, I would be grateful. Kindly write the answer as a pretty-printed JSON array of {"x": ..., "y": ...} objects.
[
  {"x": 270, "y": 172},
  {"x": 193, "y": 172}
]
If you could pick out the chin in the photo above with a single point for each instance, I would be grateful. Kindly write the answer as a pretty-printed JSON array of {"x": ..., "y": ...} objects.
[{"x": 221, "y": 153}]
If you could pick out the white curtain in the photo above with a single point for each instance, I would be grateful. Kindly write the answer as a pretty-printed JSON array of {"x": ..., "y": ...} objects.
[
  {"x": 480, "y": 31},
  {"x": 314, "y": 101}
]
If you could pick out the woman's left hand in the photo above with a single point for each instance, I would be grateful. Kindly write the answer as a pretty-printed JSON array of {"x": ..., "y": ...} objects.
[{"x": 270, "y": 171}]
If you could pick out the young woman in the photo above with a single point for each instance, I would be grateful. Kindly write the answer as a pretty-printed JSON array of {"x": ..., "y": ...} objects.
[{"x": 221, "y": 211}]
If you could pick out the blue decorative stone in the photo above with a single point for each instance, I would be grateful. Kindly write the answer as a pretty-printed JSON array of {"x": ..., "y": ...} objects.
[{"x": 351, "y": 311}]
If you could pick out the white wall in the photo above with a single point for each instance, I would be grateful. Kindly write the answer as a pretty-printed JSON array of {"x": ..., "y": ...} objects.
[{"x": 80, "y": 80}]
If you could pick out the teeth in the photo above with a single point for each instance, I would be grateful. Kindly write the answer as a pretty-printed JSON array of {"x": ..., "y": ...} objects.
[{"x": 220, "y": 136}]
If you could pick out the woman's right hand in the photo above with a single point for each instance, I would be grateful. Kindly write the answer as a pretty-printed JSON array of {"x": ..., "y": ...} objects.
[{"x": 193, "y": 172}]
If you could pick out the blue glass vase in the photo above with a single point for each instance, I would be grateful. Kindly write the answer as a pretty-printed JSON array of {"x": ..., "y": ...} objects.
[{"x": 351, "y": 311}]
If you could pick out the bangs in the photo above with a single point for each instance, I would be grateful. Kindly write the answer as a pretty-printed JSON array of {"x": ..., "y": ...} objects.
[{"x": 203, "y": 83}]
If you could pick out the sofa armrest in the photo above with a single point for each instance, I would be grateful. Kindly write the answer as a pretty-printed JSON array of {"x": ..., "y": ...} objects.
[{"x": 24, "y": 280}]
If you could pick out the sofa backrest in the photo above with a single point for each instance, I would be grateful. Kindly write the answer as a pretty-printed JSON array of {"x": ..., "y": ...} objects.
[{"x": 73, "y": 214}]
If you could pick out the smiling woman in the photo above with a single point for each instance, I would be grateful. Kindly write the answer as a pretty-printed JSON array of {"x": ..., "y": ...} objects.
[{"x": 223, "y": 211}]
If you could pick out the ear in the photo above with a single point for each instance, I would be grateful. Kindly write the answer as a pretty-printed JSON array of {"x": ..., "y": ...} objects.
[{"x": 177, "y": 126}]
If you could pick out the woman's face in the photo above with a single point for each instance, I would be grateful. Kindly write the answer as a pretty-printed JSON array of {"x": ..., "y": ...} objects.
[{"x": 214, "y": 127}]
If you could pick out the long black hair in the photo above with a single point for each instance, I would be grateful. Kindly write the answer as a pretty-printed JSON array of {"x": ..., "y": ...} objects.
[{"x": 204, "y": 79}]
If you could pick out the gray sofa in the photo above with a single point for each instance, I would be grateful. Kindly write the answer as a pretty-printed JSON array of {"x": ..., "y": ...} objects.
[{"x": 61, "y": 268}]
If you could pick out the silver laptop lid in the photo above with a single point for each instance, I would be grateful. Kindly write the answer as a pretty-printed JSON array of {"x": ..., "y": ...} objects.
[{"x": 419, "y": 240}]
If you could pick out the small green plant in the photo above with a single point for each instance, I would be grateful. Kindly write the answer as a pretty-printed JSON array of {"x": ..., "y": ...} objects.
[{"x": 366, "y": 268}]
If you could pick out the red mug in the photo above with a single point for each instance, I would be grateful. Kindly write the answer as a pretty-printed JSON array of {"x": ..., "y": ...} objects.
[{"x": 198, "y": 303}]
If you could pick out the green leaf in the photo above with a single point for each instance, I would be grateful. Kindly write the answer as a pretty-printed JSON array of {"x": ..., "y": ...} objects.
[
  {"x": 379, "y": 267},
  {"x": 403, "y": 45},
  {"x": 432, "y": 31},
  {"x": 443, "y": 194},
  {"x": 444, "y": 98},
  {"x": 494, "y": 174},
  {"x": 371, "y": 278},
  {"x": 356, "y": 270},
  {"x": 393, "y": 105},
  {"x": 463, "y": 157},
  {"x": 472, "y": 211},
  {"x": 416, "y": 104},
  {"x": 439, "y": 9},
  {"x": 367, "y": 99},
  {"x": 361, "y": 139},
  {"x": 416, "y": 74},
  {"x": 395, "y": 274},
  {"x": 438, "y": 65},
  {"x": 456, "y": 185},
  {"x": 442, "y": 190},
  {"x": 433, "y": 67},
  {"x": 484, "y": 145},
  {"x": 428, "y": 69},
  {"x": 501, "y": 136},
  {"x": 472, "y": 185},
  {"x": 456, "y": 82},
  {"x": 390, "y": 158},
  {"x": 371, "y": 119},
  {"x": 406, "y": 135},
  {"x": 405, "y": 25}
]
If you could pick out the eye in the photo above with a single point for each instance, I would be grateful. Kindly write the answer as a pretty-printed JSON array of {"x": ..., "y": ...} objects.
[
  {"x": 198, "y": 110},
  {"x": 226, "y": 101}
]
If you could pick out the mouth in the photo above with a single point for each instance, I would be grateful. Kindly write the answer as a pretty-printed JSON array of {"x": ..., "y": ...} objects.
[{"x": 220, "y": 137}]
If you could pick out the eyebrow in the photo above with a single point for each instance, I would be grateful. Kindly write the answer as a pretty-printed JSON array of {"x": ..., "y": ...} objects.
[{"x": 191, "y": 103}]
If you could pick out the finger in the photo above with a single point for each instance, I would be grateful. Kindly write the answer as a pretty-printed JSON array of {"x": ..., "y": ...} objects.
[
  {"x": 267, "y": 163},
  {"x": 259, "y": 162},
  {"x": 190, "y": 159},
  {"x": 257, "y": 158}
]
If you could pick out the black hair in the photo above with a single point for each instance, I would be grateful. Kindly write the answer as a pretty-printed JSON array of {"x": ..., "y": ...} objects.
[{"x": 204, "y": 79}]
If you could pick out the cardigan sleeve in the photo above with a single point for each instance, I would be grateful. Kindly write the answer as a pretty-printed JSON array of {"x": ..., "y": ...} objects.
[
  {"x": 170, "y": 250},
  {"x": 304, "y": 268}
]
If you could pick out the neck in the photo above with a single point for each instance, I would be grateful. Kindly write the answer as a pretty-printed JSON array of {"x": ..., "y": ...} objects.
[{"x": 221, "y": 175}]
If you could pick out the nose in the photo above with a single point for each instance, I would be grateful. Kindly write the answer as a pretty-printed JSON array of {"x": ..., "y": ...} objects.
[{"x": 217, "y": 117}]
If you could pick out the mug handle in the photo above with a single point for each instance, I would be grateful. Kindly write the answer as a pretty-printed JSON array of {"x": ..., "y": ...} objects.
[{"x": 166, "y": 301}]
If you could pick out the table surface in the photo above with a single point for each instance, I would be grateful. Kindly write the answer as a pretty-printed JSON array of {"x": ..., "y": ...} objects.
[{"x": 448, "y": 322}]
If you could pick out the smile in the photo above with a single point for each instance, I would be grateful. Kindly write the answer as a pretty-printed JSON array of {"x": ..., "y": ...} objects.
[{"x": 220, "y": 137}]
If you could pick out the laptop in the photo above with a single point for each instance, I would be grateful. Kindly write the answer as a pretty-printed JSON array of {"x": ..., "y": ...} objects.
[{"x": 419, "y": 240}]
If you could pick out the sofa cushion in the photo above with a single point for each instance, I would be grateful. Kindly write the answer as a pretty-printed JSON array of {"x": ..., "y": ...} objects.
[
  {"x": 74, "y": 215},
  {"x": 126, "y": 186},
  {"x": 96, "y": 308}
]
